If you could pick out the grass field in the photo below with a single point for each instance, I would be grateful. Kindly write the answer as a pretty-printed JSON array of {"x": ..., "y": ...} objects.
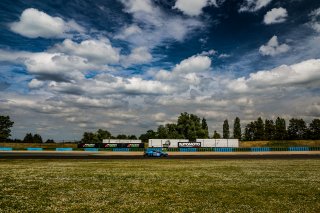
[
  {"x": 159, "y": 185},
  {"x": 280, "y": 143},
  {"x": 40, "y": 145}
]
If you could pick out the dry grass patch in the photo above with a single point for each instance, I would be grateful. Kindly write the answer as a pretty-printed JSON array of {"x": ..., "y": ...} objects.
[
  {"x": 280, "y": 143},
  {"x": 40, "y": 145},
  {"x": 159, "y": 185}
]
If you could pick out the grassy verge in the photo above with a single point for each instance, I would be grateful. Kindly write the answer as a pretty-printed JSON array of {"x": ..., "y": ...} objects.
[
  {"x": 280, "y": 143},
  {"x": 40, "y": 145},
  {"x": 159, "y": 186}
]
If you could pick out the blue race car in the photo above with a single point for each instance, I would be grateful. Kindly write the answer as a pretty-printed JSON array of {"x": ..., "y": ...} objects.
[{"x": 155, "y": 153}]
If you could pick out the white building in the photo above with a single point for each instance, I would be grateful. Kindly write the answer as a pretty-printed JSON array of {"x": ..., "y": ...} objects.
[
  {"x": 120, "y": 141},
  {"x": 185, "y": 143}
]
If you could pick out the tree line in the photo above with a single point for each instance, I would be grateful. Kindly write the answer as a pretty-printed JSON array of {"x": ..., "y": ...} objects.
[
  {"x": 297, "y": 129},
  {"x": 226, "y": 130},
  {"x": 100, "y": 134},
  {"x": 190, "y": 126},
  {"x": 5, "y": 133}
]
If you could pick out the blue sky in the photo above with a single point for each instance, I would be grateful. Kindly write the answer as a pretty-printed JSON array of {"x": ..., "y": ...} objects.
[{"x": 131, "y": 65}]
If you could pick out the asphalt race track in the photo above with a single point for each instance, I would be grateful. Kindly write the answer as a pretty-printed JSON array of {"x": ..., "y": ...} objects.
[{"x": 139, "y": 155}]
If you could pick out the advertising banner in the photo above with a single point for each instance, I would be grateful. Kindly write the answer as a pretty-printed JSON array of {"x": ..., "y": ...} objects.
[
  {"x": 189, "y": 144},
  {"x": 111, "y": 145},
  {"x": 87, "y": 145}
]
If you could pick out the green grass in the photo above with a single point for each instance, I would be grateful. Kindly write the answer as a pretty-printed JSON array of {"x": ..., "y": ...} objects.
[
  {"x": 40, "y": 145},
  {"x": 280, "y": 143},
  {"x": 159, "y": 185}
]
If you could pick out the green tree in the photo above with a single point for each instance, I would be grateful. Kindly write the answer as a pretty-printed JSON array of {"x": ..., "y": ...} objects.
[
  {"x": 189, "y": 126},
  {"x": 249, "y": 131},
  {"x": 102, "y": 134},
  {"x": 197, "y": 126},
  {"x": 201, "y": 133},
  {"x": 37, "y": 138},
  {"x": 88, "y": 137},
  {"x": 148, "y": 135},
  {"x": 162, "y": 132},
  {"x": 216, "y": 135},
  {"x": 297, "y": 129},
  {"x": 172, "y": 130},
  {"x": 280, "y": 129},
  {"x": 122, "y": 136},
  {"x": 314, "y": 129},
  {"x": 226, "y": 131},
  {"x": 192, "y": 134},
  {"x": 49, "y": 141},
  {"x": 5, "y": 125},
  {"x": 237, "y": 129},
  {"x": 269, "y": 129},
  {"x": 184, "y": 124},
  {"x": 259, "y": 129},
  {"x": 132, "y": 137},
  {"x": 205, "y": 129},
  {"x": 28, "y": 138}
]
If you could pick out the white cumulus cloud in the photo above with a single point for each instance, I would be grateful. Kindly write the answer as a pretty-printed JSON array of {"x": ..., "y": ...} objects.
[
  {"x": 273, "y": 47},
  {"x": 303, "y": 73},
  {"x": 139, "y": 55},
  {"x": 315, "y": 20},
  {"x": 134, "y": 6},
  {"x": 35, "y": 84},
  {"x": 275, "y": 16},
  {"x": 152, "y": 26},
  {"x": 193, "y": 64},
  {"x": 128, "y": 32},
  {"x": 194, "y": 8},
  {"x": 187, "y": 71},
  {"x": 191, "y": 7},
  {"x": 51, "y": 66},
  {"x": 34, "y": 23},
  {"x": 253, "y": 5},
  {"x": 99, "y": 51}
]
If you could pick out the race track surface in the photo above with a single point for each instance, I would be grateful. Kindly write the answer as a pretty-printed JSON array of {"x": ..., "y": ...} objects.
[{"x": 172, "y": 155}]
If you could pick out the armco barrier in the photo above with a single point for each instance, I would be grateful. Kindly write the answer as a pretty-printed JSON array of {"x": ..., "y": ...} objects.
[
  {"x": 172, "y": 149},
  {"x": 202, "y": 149},
  {"x": 298, "y": 148},
  {"x": 227, "y": 149},
  {"x": 34, "y": 149},
  {"x": 156, "y": 148},
  {"x": 279, "y": 149},
  {"x": 260, "y": 149},
  {"x": 241, "y": 149},
  {"x": 63, "y": 149},
  {"x": 233, "y": 149},
  {"x": 205, "y": 149},
  {"x": 188, "y": 150},
  {"x": 314, "y": 148},
  {"x": 5, "y": 149},
  {"x": 121, "y": 149},
  {"x": 91, "y": 149}
]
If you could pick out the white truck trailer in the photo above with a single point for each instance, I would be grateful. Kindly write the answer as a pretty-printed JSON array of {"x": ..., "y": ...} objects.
[
  {"x": 185, "y": 143},
  {"x": 120, "y": 141},
  {"x": 169, "y": 143},
  {"x": 219, "y": 142}
]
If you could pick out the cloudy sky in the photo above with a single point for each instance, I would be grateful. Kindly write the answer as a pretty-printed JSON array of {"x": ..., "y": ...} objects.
[{"x": 130, "y": 65}]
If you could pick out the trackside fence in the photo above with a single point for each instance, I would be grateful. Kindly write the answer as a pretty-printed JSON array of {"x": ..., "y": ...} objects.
[{"x": 201, "y": 149}]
